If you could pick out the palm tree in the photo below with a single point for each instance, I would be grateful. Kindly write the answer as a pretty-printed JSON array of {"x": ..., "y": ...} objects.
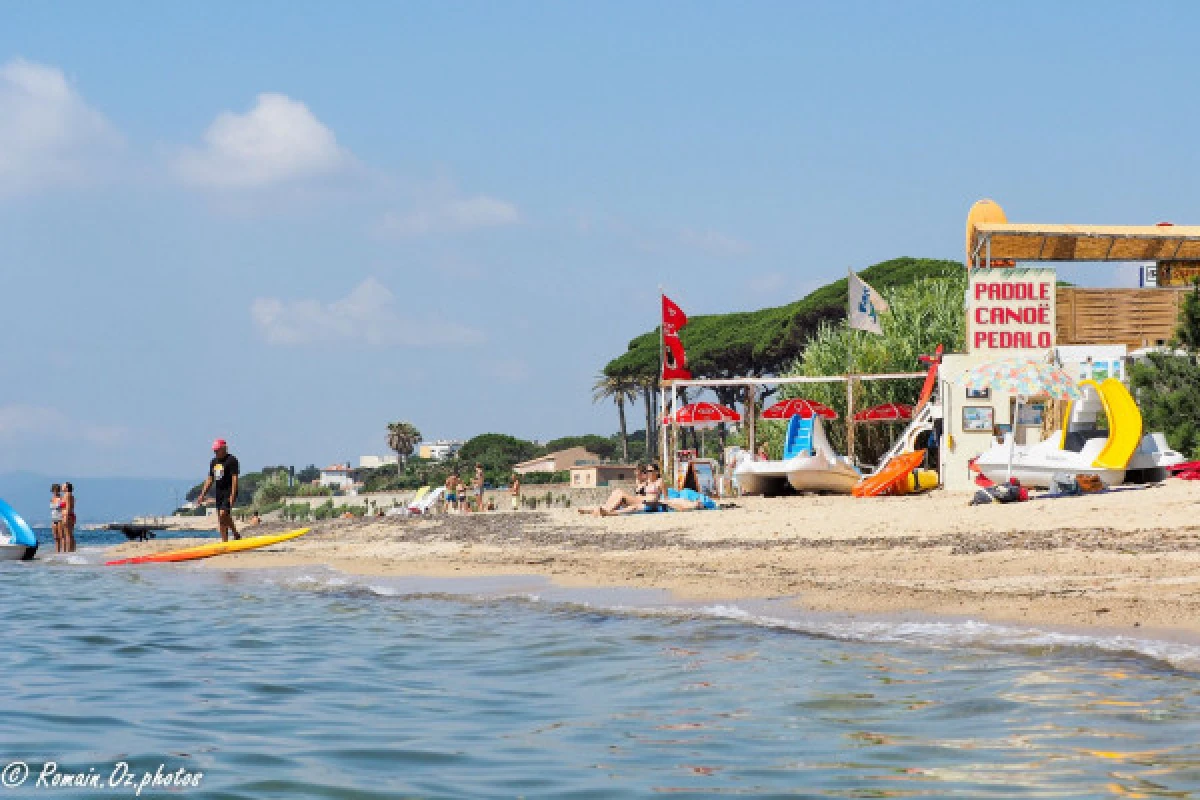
[
  {"x": 620, "y": 390},
  {"x": 649, "y": 386},
  {"x": 402, "y": 437}
]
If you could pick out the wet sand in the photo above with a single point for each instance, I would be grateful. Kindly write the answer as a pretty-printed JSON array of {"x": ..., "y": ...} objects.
[{"x": 1127, "y": 559}]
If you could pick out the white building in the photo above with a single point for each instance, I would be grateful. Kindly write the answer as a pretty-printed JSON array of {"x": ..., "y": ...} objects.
[
  {"x": 375, "y": 462},
  {"x": 440, "y": 450},
  {"x": 336, "y": 476}
]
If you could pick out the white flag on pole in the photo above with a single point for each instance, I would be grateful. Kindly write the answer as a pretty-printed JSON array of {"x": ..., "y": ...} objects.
[{"x": 865, "y": 306}]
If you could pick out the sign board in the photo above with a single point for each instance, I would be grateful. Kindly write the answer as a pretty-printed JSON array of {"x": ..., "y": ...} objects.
[
  {"x": 1010, "y": 310},
  {"x": 1177, "y": 273},
  {"x": 1149, "y": 276}
]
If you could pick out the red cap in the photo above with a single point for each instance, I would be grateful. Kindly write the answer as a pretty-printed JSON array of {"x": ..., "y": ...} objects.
[{"x": 218, "y": 444}]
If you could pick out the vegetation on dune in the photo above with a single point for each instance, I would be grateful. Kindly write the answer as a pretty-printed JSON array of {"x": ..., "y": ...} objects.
[
  {"x": 922, "y": 315},
  {"x": 764, "y": 342},
  {"x": 1167, "y": 386}
]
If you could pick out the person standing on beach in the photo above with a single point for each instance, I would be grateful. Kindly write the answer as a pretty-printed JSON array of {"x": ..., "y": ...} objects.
[
  {"x": 68, "y": 520},
  {"x": 515, "y": 491},
  {"x": 56, "y": 515},
  {"x": 478, "y": 482},
  {"x": 223, "y": 473},
  {"x": 451, "y": 497}
]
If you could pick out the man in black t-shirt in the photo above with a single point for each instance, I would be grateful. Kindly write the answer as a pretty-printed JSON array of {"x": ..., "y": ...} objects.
[{"x": 223, "y": 473}]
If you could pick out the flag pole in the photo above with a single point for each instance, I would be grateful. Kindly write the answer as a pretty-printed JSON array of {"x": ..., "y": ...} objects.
[
  {"x": 662, "y": 390},
  {"x": 849, "y": 371}
]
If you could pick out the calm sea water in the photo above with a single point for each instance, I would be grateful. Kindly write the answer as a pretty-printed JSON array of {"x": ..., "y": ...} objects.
[{"x": 309, "y": 684}]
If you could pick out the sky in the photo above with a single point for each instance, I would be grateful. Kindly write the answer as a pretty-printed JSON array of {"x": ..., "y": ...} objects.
[{"x": 289, "y": 223}]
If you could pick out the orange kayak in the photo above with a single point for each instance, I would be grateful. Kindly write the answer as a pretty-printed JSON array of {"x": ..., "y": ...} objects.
[
  {"x": 892, "y": 473},
  {"x": 209, "y": 550}
]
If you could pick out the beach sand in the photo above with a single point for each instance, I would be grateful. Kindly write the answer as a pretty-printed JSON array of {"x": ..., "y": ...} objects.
[{"x": 1125, "y": 559}]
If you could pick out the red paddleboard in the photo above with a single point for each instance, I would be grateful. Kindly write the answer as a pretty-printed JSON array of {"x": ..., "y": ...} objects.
[
  {"x": 892, "y": 473},
  {"x": 209, "y": 550}
]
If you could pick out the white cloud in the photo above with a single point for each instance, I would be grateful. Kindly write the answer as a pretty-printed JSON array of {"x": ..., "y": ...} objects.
[
  {"x": 713, "y": 243},
  {"x": 38, "y": 422},
  {"x": 277, "y": 141},
  {"x": 767, "y": 283},
  {"x": 48, "y": 135},
  {"x": 370, "y": 314},
  {"x": 509, "y": 370},
  {"x": 440, "y": 208}
]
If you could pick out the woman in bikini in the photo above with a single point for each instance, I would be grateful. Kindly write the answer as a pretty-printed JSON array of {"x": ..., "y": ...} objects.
[
  {"x": 68, "y": 523},
  {"x": 56, "y": 516},
  {"x": 619, "y": 498}
]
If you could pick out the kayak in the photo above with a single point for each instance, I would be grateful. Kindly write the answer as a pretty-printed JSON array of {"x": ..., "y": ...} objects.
[{"x": 209, "y": 550}]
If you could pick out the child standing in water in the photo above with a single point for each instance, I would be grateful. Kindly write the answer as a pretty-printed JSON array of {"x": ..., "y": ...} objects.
[
  {"x": 68, "y": 521},
  {"x": 56, "y": 516}
]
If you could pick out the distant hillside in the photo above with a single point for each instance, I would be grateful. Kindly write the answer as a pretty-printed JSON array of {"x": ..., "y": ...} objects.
[
  {"x": 767, "y": 341},
  {"x": 98, "y": 499}
]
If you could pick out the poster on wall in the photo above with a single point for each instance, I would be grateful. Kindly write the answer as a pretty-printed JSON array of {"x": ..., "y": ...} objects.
[
  {"x": 1010, "y": 310},
  {"x": 978, "y": 418},
  {"x": 1032, "y": 414}
]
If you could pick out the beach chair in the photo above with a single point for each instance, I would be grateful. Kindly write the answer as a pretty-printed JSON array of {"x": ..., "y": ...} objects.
[{"x": 423, "y": 503}]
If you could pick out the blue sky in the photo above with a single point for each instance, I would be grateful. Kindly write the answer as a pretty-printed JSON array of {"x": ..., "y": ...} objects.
[{"x": 289, "y": 223}]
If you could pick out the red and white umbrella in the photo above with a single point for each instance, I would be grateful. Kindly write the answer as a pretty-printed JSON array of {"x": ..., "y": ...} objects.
[
  {"x": 695, "y": 414},
  {"x": 888, "y": 412},
  {"x": 799, "y": 407}
]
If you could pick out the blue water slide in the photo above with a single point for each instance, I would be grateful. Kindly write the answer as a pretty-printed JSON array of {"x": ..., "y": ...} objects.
[
  {"x": 19, "y": 528},
  {"x": 799, "y": 440}
]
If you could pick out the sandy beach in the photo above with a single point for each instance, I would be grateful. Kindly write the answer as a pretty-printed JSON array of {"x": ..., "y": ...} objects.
[{"x": 1123, "y": 559}]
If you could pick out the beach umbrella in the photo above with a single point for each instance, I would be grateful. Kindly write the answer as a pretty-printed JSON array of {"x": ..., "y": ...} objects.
[
  {"x": 799, "y": 407},
  {"x": 888, "y": 412},
  {"x": 702, "y": 414},
  {"x": 1023, "y": 377}
]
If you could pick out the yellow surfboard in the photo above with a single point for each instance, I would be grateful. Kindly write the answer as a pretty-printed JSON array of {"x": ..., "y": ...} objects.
[{"x": 214, "y": 549}]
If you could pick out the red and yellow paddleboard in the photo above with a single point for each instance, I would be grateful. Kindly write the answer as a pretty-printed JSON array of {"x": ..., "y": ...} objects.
[
  {"x": 893, "y": 472},
  {"x": 209, "y": 550}
]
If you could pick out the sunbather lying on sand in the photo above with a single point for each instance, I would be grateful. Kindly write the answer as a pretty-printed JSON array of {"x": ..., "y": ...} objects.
[{"x": 649, "y": 496}]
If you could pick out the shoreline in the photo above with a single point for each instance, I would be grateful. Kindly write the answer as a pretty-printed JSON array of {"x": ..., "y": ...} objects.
[{"x": 1134, "y": 570}]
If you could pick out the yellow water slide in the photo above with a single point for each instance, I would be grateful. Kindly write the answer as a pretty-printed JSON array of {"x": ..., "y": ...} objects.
[{"x": 1124, "y": 425}]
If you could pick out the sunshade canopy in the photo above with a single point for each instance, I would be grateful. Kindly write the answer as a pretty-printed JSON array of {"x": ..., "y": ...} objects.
[
  {"x": 799, "y": 407},
  {"x": 703, "y": 414},
  {"x": 1008, "y": 241},
  {"x": 885, "y": 413}
]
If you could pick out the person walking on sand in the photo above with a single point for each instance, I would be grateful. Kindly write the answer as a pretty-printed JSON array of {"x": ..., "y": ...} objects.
[
  {"x": 68, "y": 520},
  {"x": 451, "y": 499},
  {"x": 56, "y": 516},
  {"x": 514, "y": 490},
  {"x": 223, "y": 473},
  {"x": 478, "y": 483}
]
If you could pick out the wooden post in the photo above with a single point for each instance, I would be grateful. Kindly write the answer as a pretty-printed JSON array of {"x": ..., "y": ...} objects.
[{"x": 750, "y": 409}]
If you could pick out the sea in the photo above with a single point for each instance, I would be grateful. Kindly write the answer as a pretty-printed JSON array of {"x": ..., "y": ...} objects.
[{"x": 189, "y": 681}]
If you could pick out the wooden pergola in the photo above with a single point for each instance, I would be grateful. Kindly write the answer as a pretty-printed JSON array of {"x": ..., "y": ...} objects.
[{"x": 990, "y": 242}]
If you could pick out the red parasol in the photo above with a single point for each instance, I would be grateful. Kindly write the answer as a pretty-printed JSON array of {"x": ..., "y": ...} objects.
[
  {"x": 703, "y": 414},
  {"x": 888, "y": 412},
  {"x": 799, "y": 407}
]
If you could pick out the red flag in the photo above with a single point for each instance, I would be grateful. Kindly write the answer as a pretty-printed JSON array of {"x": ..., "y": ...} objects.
[
  {"x": 673, "y": 317},
  {"x": 674, "y": 359}
]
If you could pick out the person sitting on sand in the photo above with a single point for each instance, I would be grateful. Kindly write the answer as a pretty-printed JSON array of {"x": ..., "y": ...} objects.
[
  {"x": 255, "y": 519},
  {"x": 619, "y": 498}
]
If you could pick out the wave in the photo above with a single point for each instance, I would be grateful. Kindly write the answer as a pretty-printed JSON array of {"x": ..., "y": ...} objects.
[{"x": 781, "y": 615}]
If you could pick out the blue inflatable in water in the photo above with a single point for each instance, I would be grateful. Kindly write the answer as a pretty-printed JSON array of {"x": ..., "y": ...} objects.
[{"x": 22, "y": 534}]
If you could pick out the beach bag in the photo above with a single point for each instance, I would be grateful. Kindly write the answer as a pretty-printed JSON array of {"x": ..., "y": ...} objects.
[
  {"x": 1001, "y": 493},
  {"x": 1089, "y": 484},
  {"x": 1064, "y": 483}
]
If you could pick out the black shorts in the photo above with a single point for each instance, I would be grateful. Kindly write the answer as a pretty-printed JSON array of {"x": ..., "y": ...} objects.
[{"x": 223, "y": 503}]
